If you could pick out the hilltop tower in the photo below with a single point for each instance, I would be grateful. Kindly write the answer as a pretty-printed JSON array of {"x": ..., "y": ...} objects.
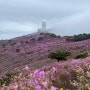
[
  {"x": 43, "y": 25},
  {"x": 43, "y": 29}
]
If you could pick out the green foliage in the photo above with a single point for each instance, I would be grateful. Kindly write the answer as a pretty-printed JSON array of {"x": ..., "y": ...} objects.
[
  {"x": 6, "y": 79},
  {"x": 82, "y": 55},
  {"x": 59, "y": 55},
  {"x": 79, "y": 37},
  {"x": 51, "y": 35}
]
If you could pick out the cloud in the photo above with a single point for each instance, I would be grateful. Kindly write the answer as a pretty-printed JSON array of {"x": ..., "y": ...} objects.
[
  {"x": 12, "y": 29},
  {"x": 16, "y": 27},
  {"x": 74, "y": 24},
  {"x": 64, "y": 17}
]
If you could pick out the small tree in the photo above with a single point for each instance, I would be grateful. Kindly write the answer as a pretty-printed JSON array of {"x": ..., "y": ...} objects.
[{"x": 59, "y": 55}]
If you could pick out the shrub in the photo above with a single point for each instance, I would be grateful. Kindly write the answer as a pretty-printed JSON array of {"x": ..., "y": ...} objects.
[
  {"x": 53, "y": 35},
  {"x": 82, "y": 55},
  {"x": 3, "y": 45},
  {"x": 17, "y": 50},
  {"x": 26, "y": 42},
  {"x": 6, "y": 79},
  {"x": 40, "y": 38},
  {"x": 59, "y": 55},
  {"x": 12, "y": 42},
  {"x": 33, "y": 39},
  {"x": 78, "y": 37},
  {"x": 58, "y": 36}
]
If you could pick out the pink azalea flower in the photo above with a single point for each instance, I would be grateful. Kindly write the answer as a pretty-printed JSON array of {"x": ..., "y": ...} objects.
[
  {"x": 26, "y": 68},
  {"x": 31, "y": 74},
  {"x": 16, "y": 87},
  {"x": 4, "y": 88},
  {"x": 36, "y": 81},
  {"x": 53, "y": 69},
  {"x": 36, "y": 71},
  {"x": 44, "y": 84},
  {"x": 38, "y": 87},
  {"x": 53, "y": 88},
  {"x": 42, "y": 73}
]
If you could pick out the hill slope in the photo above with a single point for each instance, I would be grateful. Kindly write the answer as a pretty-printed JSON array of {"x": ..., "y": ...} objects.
[{"x": 33, "y": 50}]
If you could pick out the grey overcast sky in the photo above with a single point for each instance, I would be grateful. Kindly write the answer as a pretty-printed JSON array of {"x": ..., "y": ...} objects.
[{"x": 64, "y": 17}]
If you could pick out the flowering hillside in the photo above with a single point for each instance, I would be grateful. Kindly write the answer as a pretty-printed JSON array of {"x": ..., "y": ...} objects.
[
  {"x": 25, "y": 64},
  {"x": 32, "y": 50}
]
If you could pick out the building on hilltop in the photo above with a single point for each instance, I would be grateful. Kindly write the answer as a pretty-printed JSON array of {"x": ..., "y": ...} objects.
[{"x": 43, "y": 29}]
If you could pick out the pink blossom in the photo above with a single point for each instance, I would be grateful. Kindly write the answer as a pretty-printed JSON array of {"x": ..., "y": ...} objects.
[
  {"x": 16, "y": 87},
  {"x": 36, "y": 81},
  {"x": 26, "y": 68},
  {"x": 53, "y": 69},
  {"x": 36, "y": 71},
  {"x": 38, "y": 87},
  {"x": 44, "y": 84},
  {"x": 41, "y": 73},
  {"x": 4, "y": 88},
  {"x": 53, "y": 88},
  {"x": 31, "y": 74}
]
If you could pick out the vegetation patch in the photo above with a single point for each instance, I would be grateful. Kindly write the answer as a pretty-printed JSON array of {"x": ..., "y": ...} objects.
[
  {"x": 78, "y": 37},
  {"x": 82, "y": 55},
  {"x": 17, "y": 50},
  {"x": 6, "y": 79},
  {"x": 59, "y": 55}
]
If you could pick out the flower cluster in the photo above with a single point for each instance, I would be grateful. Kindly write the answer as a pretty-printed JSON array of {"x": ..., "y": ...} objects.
[{"x": 33, "y": 80}]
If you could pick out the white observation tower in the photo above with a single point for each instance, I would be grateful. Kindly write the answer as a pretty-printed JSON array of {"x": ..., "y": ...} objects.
[
  {"x": 43, "y": 25},
  {"x": 43, "y": 29}
]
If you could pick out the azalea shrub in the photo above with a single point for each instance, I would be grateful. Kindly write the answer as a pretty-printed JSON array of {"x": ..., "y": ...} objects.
[
  {"x": 32, "y": 80},
  {"x": 59, "y": 55},
  {"x": 55, "y": 77},
  {"x": 75, "y": 77},
  {"x": 82, "y": 55}
]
